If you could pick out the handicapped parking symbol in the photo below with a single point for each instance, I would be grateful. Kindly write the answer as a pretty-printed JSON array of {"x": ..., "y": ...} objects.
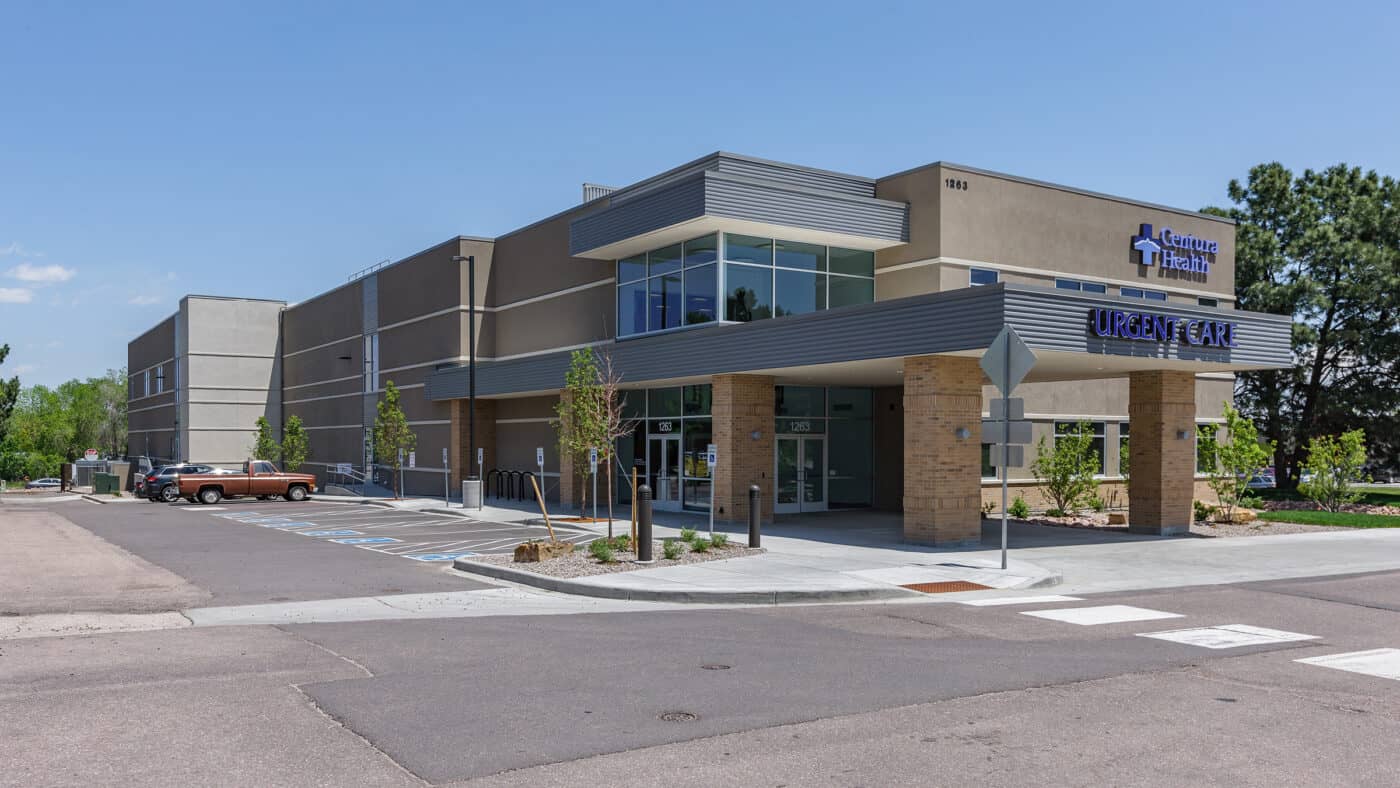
[
  {"x": 340, "y": 532},
  {"x": 365, "y": 540},
  {"x": 439, "y": 556}
]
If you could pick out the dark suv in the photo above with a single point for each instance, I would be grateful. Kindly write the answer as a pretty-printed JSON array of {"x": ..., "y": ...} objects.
[{"x": 161, "y": 484}]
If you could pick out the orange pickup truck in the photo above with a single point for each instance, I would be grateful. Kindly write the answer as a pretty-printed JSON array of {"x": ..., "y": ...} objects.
[{"x": 259, "y": 478}]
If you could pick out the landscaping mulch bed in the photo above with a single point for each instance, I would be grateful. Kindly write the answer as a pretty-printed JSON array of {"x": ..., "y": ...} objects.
[
  {"x": 1351, "y": 508},
  {"x": 1099, "y": 522},
  {"x": 581, "y": 564}
]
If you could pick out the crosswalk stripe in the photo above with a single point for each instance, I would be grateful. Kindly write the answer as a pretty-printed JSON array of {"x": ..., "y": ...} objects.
[
  {"x": 1104, "y": 614},
  {"x": 1228, "y": 636},
  {"x": 1382, "y": 663}
]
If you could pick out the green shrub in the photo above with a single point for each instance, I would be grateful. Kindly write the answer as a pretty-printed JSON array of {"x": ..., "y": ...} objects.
[
  {"x": 1099, "y": 505},
  {"x": 623, "y": 543},
  {"x": 700, "y": 545},
  {"x": 1019, "y": 508},
  {"x": 720, "y": 540},
  {"x": 987, "y": 508},
  {"x": 1065, "y": 468},
  {"x": 1334, "y": 462},
  {"x": 1251, "y": 501},
  {"x": 1052, "y": 512},
  {"x": 600, "y": 550},
  {"x": 687, "y": 534},
  {"x": 1203, "y": 510},
  {"x": 672, "y": 549}
]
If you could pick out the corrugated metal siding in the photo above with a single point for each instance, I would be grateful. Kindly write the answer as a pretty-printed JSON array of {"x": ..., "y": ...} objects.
[
  {"x": 1059, "y": 320},
  {"x": 933, "y": 323},
  {"x": 744, "y": 198},
  {"x": 739, "y": 197},
  {"x": 369, "y": 294},
  {"x": 797, "y": 176},
  {"x": 673, "y": 204}
]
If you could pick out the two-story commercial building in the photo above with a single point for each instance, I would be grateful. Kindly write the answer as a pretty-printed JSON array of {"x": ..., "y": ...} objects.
[{"x": 823, "y": 330}]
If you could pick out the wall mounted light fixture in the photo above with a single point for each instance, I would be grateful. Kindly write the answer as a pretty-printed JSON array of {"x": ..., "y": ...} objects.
[{"x": 963, "y": 433}]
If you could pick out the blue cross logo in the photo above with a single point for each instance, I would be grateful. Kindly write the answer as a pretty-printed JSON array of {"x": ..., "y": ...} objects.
[{"x": 1145, "y": 243}]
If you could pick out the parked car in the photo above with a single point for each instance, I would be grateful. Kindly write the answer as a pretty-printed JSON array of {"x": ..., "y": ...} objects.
[
  {"x": 1261, "y": 482},
  {"x": 46, "y": 483},
  {"x": 160, "y": 484},
  {"x": 258, "y": 478}
]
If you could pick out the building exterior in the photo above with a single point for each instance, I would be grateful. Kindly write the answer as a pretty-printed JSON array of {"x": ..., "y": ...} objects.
[
  {"x": 199, "y": 380},
  {"x": 823, "y": 330}
]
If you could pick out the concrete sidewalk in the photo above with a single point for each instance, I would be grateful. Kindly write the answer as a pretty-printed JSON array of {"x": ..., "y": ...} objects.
[{"x": 833, "y": 558}]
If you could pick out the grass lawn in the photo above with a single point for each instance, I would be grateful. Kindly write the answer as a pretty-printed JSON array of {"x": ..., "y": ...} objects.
[
  {"x": 1333, "y": 518},
  {"x": 1376, "y": 496}
]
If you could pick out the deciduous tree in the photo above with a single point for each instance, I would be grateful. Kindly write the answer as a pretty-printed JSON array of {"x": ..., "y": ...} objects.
[
  {"x": 392, "y": 435},
  {"x": 295, "y": 444}
]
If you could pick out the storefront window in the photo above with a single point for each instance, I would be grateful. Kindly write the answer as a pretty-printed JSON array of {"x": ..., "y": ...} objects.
[
  {"x": 855, "y": 262},
  {"x": 1123, "y": 464},
  {"x": 664, "y": 261},
  {"x": 697, "y": 400},
  {"x": 632, "y": 269},
  {"x": 664, "y": 402},
  {"x": 1205, "y": 447},
  {"x": 701, "y": 251},
  {"x": 799, "y": 401}
]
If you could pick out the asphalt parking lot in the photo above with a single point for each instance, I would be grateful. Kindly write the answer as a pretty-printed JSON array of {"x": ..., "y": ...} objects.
[{"x": 418, "y": 536}]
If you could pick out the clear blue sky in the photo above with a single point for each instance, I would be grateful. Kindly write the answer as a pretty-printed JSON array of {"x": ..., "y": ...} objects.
[{"x": 270, "y": 149}]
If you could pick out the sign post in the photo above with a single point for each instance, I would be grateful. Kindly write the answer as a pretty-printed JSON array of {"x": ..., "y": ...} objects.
[
  {"x": 593, "y": 471},
  {"x": 539, "y": 461},
  {"x": 446, "y": 481},
  {"x": 480, "y": 465},
  {"x": 1006, "y": 363},
  {"x": 711, "y": 460}
]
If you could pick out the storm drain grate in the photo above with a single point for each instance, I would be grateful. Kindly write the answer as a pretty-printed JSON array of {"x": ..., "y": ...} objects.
[
  {"x": 678, "y": 716},
  {"x": 947, "y": 587}
]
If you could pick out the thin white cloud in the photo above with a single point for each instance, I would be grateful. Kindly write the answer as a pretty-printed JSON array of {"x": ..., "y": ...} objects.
[
  {"x": 18, "y": 251},
  {"x": 41, "y": 274},
  {"x": 16, "y": 295},
  {"x": 170, "y": 276},
  {"x": 144, "y": 300},
  {"x": 24, "y": 369}
]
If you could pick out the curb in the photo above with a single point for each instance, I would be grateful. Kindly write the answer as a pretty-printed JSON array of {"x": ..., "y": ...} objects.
[{"x": 776, "y": 597}]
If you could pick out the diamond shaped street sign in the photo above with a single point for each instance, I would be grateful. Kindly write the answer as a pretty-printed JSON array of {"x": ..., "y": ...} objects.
[{"x": 1007, "y": 361}]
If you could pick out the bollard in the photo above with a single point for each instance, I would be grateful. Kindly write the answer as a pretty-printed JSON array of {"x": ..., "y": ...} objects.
[
  {"x": 643, "y": 505},
  {"x": 754, "y": 493}
]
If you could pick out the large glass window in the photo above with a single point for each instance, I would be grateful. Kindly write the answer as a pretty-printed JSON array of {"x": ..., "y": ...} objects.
[
  {"x": 748, "y": 293},
  {"x": 799, "y": 401},
  {"x": 632, "y": 308},
  {"x": 747, "y": 249},
  {"x": 855, "y": 262},
  {"x": 799, "y": 292},
  {"x": 1096, "y": 429},
  {"x": 653, "y": 294},
  {"x": 665, "y": 302},
  {"x": 701, "y": 301},
  {"x": 680, "y": 285},
  {"x": 849, "y": 291},
  {"x": 1124, "y": 466},
  {"x": 981, "y": 276},
  {"x": 791, "y": 254},
  {"x": 1074, "y": 284},
  {"x": 1205, "y": 447}
]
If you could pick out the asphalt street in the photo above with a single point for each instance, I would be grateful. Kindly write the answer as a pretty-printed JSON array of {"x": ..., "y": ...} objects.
[{"x": 1168, "y": 687}]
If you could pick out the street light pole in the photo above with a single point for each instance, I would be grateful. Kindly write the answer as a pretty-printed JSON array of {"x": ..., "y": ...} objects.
[{"x": 471, "y": 352}]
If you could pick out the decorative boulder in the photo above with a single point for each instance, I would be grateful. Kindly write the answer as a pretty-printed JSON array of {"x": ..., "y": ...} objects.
[
  {"x": 1243, "y": 516},
  {"x": 1117, "y": 518},
  {"x": 531, "y": 552}
]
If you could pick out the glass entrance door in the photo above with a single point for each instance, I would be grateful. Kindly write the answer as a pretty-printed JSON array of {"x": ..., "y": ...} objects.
[
  {"x": 664, "y": 471},
  {"x": 800, "y": 474}
]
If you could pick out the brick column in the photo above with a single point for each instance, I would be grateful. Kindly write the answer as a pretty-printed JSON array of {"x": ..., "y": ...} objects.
[
  {"x": 942, "y": 472},
  {"x": 1161, "y": 406},
  {"x": 742, "y": 405},
  {"x": 463, "y": 460}
]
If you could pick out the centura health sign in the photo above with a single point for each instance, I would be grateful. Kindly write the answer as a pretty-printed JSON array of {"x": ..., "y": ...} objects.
[
  {"x": 1177, "y": 251},
  {"x": 1150, "y": 327}
]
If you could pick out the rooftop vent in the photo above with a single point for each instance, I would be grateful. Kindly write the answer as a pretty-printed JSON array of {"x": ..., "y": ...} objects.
[{"x": 592, "y": 191}]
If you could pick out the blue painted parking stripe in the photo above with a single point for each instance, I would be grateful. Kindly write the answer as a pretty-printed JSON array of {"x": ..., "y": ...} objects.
[
  {"x": 439, "y": 556},
  {"x": 284, "y": 525},
  {"x": 338, "y": 532},
  {"x": 365, "y": 540}
]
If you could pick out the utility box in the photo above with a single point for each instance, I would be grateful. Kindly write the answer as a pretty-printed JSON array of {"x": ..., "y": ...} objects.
[
  {"x": 105, "y": 483},
  {"x": 471, "y": 494}
]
